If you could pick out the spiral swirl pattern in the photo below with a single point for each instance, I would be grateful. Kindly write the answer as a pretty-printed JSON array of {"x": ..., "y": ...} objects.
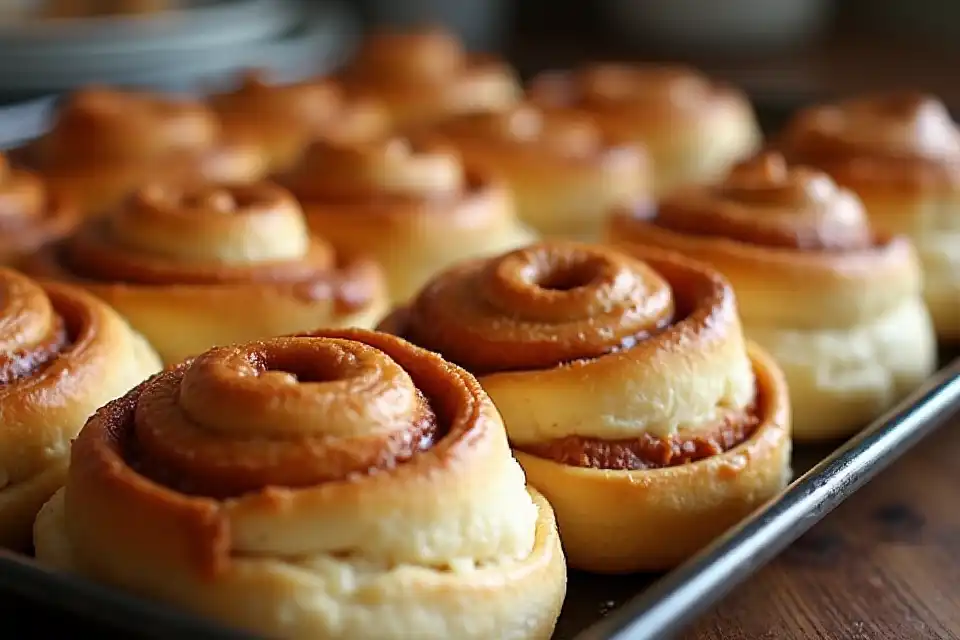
[
  {"x": 295, "y": 471},
  {"x": 829, "y": 297},
  {"x": 627, "y": 389},
  {"x": 547, "y": 317},
  {"x": 282, "y": 119},
  {"x": 898, "y": 136},
  {"x": 426, "y": 75},
  {"x": 106, "y": 143},
  {"x": 62, "y": 355},
  {"x": 763, "y": 201},
  {"x": 563, "y": 171},
  {"x": 30, "y": 215},
  {"x": 410, "y": 202},
  {"x": 202, "y": 256},
  {"x": 692, "y": 128}
]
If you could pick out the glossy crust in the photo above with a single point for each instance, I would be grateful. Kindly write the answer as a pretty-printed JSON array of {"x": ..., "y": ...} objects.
[
  {"x": 378, "y": 499},
  {"x": 283, "y": 119},
  {"x": 106, "y": 143},
  {"x": 197, "y": 266},
  {"x": 30, "y": 215},
  {"x": 839, "y": 307},
  {"x": 564, "y": 174},
  {"x": 65, "y": 354},
  {"x": 409, "y": 203},
  {"x": 693, "y": 128},
  {"x": 423, "y": 76},
  {"x": 589, "y": 347},
  {"x": 900, "y": 152}
]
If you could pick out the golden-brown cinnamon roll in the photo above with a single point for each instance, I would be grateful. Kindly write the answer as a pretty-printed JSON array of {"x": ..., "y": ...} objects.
[
  {"x": 425, "y": 75},
  {"x": 628, "y": 392},
  {"x": 282, "y": 119},
  {"x": 838, "y": 306},
  {"x": 63, "y": 354},
  {"x": 412, "y": 204},
  {"x": 900, "y": 153},
  {"x": 564, "y": 174},
  {"x": 30, "y": 214},
  {"x": 105, "y": 143},
  {"x": 334, "y": 485},
  {"x": 193, "y": 267},
  {"x": 693, "y": 128}
]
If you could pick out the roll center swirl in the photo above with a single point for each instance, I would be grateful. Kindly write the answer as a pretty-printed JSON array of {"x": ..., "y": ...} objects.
[
  {"x": 549, "y": 286},
  {"x": 31, "y": 331},
  {"x": 289, "y": 412}
]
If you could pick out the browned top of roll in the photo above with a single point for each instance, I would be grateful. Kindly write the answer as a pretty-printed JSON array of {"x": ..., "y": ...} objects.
[
  {"x": 100, "y": 125},
  {"x": 310, "y": 108},
  {"x": 392, "y": 170},
  {"x": 659, "y": 93},
  {"x": 901, "y": 138},
  {"x": 200, "y": 234},
  {"x": 426, "y": 74},
  {"x": 554, "y": 303},
  {"x": 765, "y": 201},
  {"x": 285, "y": 428},
  {"x": 531, "y": 131},
  {"x": 30, "y": 214}
]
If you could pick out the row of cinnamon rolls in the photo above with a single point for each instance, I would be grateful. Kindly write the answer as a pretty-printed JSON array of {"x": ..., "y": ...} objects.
[{"x": 279, "y": 485}]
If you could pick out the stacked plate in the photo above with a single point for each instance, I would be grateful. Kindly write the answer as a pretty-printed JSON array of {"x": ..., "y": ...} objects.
[{"x": 184, "y": 49}]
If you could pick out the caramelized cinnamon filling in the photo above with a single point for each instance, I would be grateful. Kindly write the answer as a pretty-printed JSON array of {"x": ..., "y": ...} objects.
[
  {"x": 647, "y": 451},
  {"x": 29, "y": 360},
  {"x": 88, "y": 256},
  {"x": 222, "y": 468}
]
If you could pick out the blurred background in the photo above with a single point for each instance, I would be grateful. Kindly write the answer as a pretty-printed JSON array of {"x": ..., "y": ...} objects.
[{"x": 783, "y": 52}]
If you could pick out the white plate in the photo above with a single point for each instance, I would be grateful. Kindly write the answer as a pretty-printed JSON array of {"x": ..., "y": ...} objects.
[
  {"x": 316, "y": 41},
  {"x": 208, "y": 24}
]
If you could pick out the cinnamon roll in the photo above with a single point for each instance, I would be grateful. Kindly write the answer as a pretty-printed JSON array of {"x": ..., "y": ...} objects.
[
  {"x": 628, "y": 392},
  {"x": 425, "y": 75},
  {"x": 63, "y": 354},
  {"x": 693, "y": 128},
  {"x": 410, "y": 203},
  {"x": 332, "y": 485},
  {"x": 30, "y": 215},
  {"x": 105, "y": 143},
  {"x": 838, "y": 305},
  {"x": 564, "y": 175},
  {"x": 282, "y": 119},
  {"x": 900, "y": 152},
  {"x": 198, "y": 266}
]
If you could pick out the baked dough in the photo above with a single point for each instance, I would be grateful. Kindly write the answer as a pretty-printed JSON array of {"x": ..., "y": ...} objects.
[
  {"x": 283, "y": 119},
  {"x": 900, "y": 152},
  {"x": 423, "y": 76},
  {"x": 409, "y": 202},
  {"x": 693, "y": 128},
  {"x": 194, "y": 266},
  {"x": 837, "y": 305},
  {"x": 63, "y": 354},
  {"x": 30, "y": 214},
  {"x": 377, "y": 499},
  {"x": 564, "y": 174},
  {"x": 105, "y": 143},
  {"x": 629, "y": 394}
]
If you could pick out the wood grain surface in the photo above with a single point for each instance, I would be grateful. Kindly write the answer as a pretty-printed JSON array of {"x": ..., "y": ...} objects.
[{"x": 884, "y": 565}]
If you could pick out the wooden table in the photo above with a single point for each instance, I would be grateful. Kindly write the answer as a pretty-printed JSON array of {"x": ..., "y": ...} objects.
[{"x": 885, "y": 564}]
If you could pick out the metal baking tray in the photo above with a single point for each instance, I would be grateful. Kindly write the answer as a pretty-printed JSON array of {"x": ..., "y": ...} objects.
[
  {"x": 634, "y": 607},
  {"x": 39, "y": 603}
]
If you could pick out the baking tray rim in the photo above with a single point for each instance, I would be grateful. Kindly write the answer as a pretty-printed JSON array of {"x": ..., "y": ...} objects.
[{"x": 657, "y": 612}]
